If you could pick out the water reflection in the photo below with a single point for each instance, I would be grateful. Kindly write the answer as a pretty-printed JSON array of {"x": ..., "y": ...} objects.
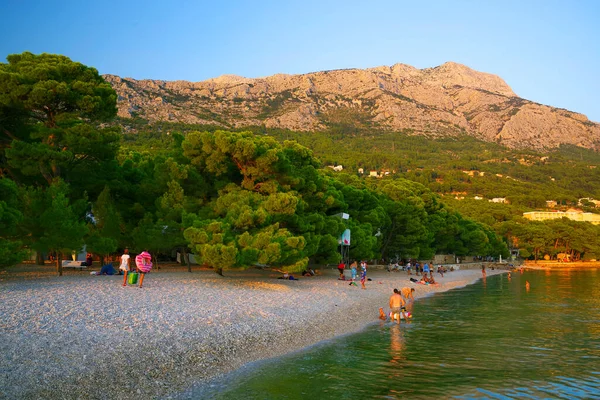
[
  {"x": 488, "y": 340},
  {"x": 396, "y": 344}
]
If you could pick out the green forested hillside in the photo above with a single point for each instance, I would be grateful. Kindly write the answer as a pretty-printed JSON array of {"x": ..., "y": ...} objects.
[
  {"x": 457, "y": 169},
  {"x": 72, "y": 173}
]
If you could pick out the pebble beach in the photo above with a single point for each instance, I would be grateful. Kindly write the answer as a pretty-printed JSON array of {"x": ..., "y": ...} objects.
[{"x": 84, "y": 336}]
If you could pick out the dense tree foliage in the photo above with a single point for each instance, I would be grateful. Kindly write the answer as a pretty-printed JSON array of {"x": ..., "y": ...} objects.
[
  {"x": 259, "y": 196},
  {"x": 52, "y": 145},
  {"x": 11, "y": 250}
]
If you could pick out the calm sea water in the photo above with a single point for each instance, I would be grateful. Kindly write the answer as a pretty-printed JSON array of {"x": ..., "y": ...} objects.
[{"x": 490, "y": 340}]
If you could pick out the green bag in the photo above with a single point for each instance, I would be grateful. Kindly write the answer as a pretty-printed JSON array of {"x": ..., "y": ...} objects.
[{"x": 132, "y": 278}]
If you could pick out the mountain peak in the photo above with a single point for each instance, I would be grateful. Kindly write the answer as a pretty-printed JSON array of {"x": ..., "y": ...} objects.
[{"x": 448, "y": 100}]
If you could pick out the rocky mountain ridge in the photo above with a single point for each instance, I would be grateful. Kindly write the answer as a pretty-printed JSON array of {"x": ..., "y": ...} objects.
[{"x": 450, "y": 99}]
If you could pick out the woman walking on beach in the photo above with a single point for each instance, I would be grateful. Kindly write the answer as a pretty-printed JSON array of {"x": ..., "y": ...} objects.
[{"x": 363, "y": 273}]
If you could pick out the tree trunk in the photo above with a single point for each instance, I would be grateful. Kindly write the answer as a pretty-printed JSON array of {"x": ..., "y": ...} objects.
[
  {"x": 39, "y": 258},
  {"x": 219, "y": 270},
  {"x": 59, "y": 267},
  {"x": 156, "y": 262},
  {"x": 186, "y": 258}
]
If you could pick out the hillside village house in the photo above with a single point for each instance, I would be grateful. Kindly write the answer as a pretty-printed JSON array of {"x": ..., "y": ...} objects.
[
  {"x": 574, "y": 215},
  {"x": 595, "y": 202},
  {"x": 474, "y": 173}
]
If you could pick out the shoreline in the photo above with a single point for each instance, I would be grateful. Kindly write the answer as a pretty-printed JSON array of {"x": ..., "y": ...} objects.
[{"x": 67, "y": 337}]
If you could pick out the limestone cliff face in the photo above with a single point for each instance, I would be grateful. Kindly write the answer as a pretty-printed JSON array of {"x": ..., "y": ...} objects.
[{"x": 446, "y": 100}]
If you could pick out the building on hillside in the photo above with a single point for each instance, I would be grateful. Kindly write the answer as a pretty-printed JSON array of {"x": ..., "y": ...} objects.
[
  {"x": 590, "y": 200},
  {"x": 478, "y": 198},
  {"x": 336, "y": 167},
  {"x": 373, "y": 174},
  {"x": 572, "y": 214},
  {"x": 499, "y": 200},
  {"x": 474, "y": 173},
  {"x": 551, "y": 203},
  {"x": 361, "y": 171}
]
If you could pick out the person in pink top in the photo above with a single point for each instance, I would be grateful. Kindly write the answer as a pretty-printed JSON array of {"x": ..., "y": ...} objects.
[{"x": 143, "y": 262}]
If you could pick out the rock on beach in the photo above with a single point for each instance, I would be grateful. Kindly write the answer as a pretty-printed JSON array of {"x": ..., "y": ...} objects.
[{"x": 83, "y": 336}]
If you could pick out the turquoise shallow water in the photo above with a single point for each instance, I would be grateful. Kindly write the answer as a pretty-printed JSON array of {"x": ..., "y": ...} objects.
[{"x": 490, "y": 340}]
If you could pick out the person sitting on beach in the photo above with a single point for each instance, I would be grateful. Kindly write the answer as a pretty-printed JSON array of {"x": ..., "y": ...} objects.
[
  {"x": 431, "y": 280},
  {"x": 424, "y": 279},
  {"x": 397, "y": 306},
  {"x": 288, "y": 276},
  {"x": 393, "y": 267},
  {"x": 88, "y": 261},
  {"x": 107, "y": 269}
]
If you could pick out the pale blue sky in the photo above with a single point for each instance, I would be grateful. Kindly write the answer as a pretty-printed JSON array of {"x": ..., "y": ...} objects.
[{"x": 547, "y": 51}]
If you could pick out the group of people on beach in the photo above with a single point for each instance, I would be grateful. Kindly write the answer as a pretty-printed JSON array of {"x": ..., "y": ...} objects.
[
  {"x": 398, "y": 302},
  {"x": 419, "y": 268},
  {"x": 354, "y": 271},
  {"x": 143, "y": 263}
]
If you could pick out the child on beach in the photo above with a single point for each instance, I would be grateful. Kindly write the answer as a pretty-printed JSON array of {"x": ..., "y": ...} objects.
[
  {"x": 143, "y": 262},
  {"x": 125, "y": 265},
  {"x": 353, "y": 270},
  {"x": 363, "y": 273},
  {"x": 341, "y": 267}
]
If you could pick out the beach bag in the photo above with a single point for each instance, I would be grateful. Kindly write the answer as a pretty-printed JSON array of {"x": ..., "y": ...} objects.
[{"x": 132, "y": 278}]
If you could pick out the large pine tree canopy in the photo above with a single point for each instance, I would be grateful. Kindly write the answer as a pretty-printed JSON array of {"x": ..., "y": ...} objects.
[{"x": 236, "y": 199}]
